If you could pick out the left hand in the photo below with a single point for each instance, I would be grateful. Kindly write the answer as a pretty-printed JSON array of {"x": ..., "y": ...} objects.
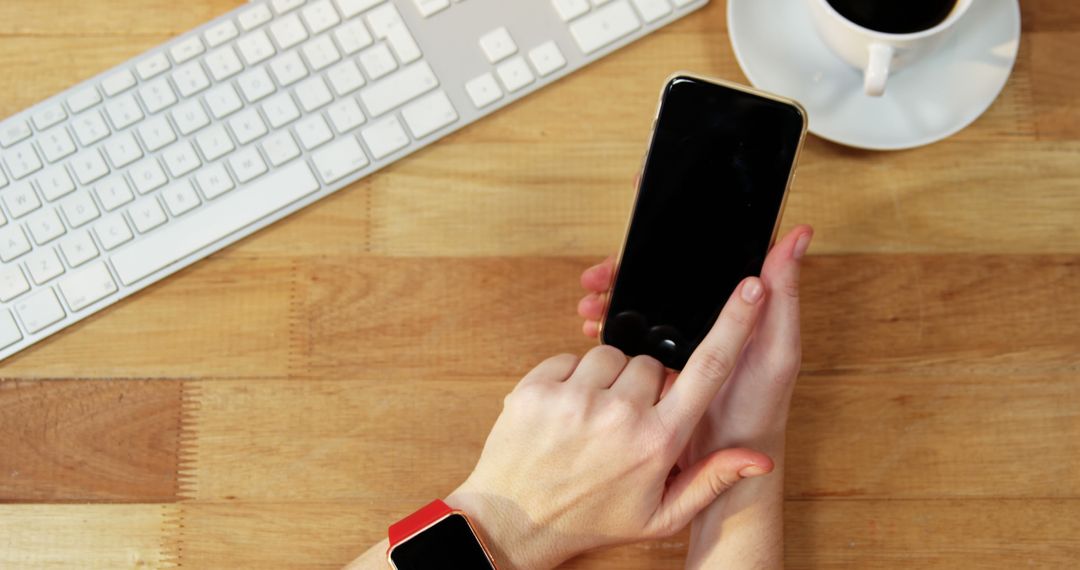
[{"x": 582, "y": 454}]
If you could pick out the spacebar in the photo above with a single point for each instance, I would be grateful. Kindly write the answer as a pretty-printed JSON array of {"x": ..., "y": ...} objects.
[{"x": 217, "y": 220}]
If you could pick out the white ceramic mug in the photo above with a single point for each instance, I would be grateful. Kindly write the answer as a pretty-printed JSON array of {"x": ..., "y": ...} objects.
[{"x": 878, "y": 53}]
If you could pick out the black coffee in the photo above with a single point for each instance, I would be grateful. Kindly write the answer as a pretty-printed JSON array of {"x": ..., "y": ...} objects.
[{"x": 895, "y": 16}]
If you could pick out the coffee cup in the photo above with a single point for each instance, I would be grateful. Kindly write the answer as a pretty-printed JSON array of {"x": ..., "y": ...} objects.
[{"x": 883, "y": 36}]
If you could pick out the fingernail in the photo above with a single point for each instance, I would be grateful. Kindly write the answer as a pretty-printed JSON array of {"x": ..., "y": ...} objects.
[
  {"x": 752, "y": 290},
  {"x": 752, "y": 471},
  {"x": 801, "y": 245}
]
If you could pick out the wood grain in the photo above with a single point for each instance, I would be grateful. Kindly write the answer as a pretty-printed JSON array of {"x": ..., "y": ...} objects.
[
  {"x": 82, "y": 441},
  {"x": 258, "y": 410},
  {"x": 87, "y": 537}
]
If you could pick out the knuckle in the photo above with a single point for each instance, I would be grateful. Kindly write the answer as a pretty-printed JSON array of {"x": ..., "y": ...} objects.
[
  {"x": 607, "y": 352},
  {"x": 619, "y": 411},
  {"x": 790, "y": 288},
  {"x": 741, "y": 317},
  {"x": 716, "y": 363},
  {"x": 648, "y": 363}
]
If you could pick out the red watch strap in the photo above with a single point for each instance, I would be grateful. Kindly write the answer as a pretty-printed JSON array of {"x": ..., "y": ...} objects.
[{"x": 416, "y": 522}]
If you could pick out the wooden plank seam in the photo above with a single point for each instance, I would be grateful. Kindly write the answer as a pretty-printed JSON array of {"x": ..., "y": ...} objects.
[{"x": 187, "y": 448}]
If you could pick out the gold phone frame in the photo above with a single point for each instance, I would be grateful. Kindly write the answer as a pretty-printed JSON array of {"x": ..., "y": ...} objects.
[{"x": 645, "y": 160}]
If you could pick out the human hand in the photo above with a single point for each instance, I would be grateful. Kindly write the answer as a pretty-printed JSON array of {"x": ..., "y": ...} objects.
[
  {"x": 744, "y": 529},
  {"x": 752, "y": 407},
  {"x": 582, "y": 454}
]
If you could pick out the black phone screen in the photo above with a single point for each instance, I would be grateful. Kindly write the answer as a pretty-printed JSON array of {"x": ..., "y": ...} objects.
[
  {"x": 449, "y": 543},
  {"x": 711, "y": 191}
]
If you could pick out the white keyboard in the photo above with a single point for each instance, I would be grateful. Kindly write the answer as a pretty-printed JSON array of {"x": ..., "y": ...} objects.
[{"x": 167, "y": 158}]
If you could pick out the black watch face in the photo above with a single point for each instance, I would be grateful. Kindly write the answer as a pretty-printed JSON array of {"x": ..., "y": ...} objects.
[{"x": 448, "y": 544}]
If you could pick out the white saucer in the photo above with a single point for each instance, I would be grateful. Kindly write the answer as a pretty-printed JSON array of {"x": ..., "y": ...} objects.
[{"x": 780, "y": 51}]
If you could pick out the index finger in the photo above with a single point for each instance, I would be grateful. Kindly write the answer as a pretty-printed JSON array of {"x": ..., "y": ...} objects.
[
  {"x": 598, "y": 277},
  {"x": 712, "y": 362}
]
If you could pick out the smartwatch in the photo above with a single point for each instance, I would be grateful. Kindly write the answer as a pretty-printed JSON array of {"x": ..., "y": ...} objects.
[{"x": 437, "y": 536}]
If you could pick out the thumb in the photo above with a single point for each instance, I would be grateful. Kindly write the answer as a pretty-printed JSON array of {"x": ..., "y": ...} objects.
[{"x": 700, "y": 484}]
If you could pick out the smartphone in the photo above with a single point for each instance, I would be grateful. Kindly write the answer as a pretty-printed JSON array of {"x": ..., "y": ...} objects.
[{"x": 711, "y": 192}]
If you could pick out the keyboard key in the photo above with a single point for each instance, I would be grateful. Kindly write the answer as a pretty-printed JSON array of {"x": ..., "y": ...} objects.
[
  {"x": 152, "y": 66},
  {"x": 157, "y": 95},
  {"x": 497, "y": 45},
  {"x": 255, "y": 47},
  {"x": 190, "y": 117},
  {"x": 13, "y": 242},
  {"x": 112, "y": 231},
  {"x": 280, "y": 110},
  {"x": 90, "y": 128},
  {"x": 546, "y": 58},
  {"x": 78, "y": 248},
  {"x": 39, "y": 310},
  {"x": 247, "y": 165},
  {"x": 288, "y": 68},
  {"x": 44, "y": 265},
  {"x": 652, "y": 10},
  {"x": 399, "y": 88},
  {"x": 254, "y": 17},
  {"x": 320, "y": 52},
  {"x": 3, "y": 180},
  {"x": 313, "y": 131},
  {"x": 345, "y": 77},
  {"x": 280, "y": 148},
  {"x": 208, "y": 226},
  {"x": 352, "y": 36},
  {"x": 320, "y": 16},
  {"x": 248, "y": 126},
  {"x": 54, "y": 183},
  {"x": 186, "y": 49},
  {"x": 113, "y": 192},
  {"x": 428, "y": 8},
  {"x": 483, "y": 90},
  {"x": 22, "y": 160},
  {"x": 45, "y": 226},
  {"x": 213, "y": 181},
  {"x": 313, "y": 93},
  {"x": 255, "y": 84},
  {"x": 123, "y": 111},
  {"x": 13, "y": 132},
  {"x": 9, "y": 330},
  {"x": 223, "y": 101},
  {"x": 214, "y": 142},
  {"x": 156, "y": 133},
  {"x": 570, "y": 9},
  {"x": 180, "y": 198},
  {"x": 602, "y": 27},
  {"x": 118, "y": 83},
  {"x": 190, "y": 79},
  {"x": 282, "y": 6},
  {"x": 49, "y": 116},
  {"x": 88, "y": 286},
  {"x": 378, "y": 61},
  {"x": 345, "y": 115},
  {"x": 20, "y": 200},
  {"x": 350, "y": 8},
  {"x": 147, "y": 175},
  {"x": 12, "y": 284},
  {"x": 79, "y": 209},
  {"x": 88, "y": 166},
  {"x": 385, "y": 137},
  {"x": 386, "y": 23},
  {"x": 514, "y": 74},
  {"x": 122, "y": 149},
  {"x": 288, "y": 31},
  {"x": 220, "y": 33},
  {"x": 223, "y": 63},
  {"x": 56, "y": 144},
  {"x": 83, "y": 99},
  {"x": 429, "y": 114},
  {"x": 147, "y": 215},
  {"x": 180, "y": 159}
]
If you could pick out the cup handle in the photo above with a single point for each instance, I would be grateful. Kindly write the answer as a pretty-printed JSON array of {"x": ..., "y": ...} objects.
[{"x": 877, "y": 71}]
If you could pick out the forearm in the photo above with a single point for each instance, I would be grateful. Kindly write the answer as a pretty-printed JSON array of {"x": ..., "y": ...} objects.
[
  {"x": 373, "y": 559},
  {"x": 745, "y": 528}
]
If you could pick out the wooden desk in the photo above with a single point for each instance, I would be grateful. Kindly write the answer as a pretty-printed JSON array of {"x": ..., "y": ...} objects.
[{"x": 259, "y": 410}]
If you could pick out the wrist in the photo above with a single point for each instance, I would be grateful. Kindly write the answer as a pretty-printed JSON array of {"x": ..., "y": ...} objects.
[{"x": 513, "y": 538}]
